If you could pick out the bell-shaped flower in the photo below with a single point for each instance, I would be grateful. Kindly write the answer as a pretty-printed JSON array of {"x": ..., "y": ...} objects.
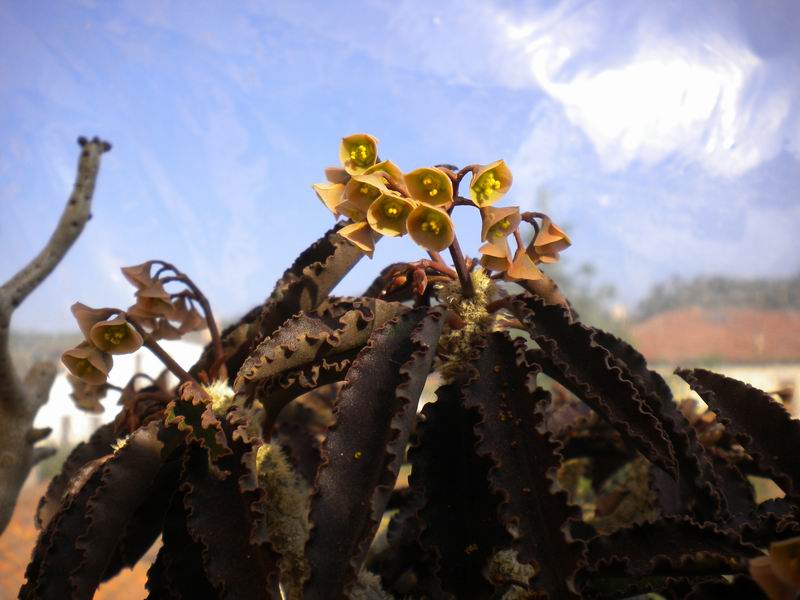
[
  {"x": 358, "y": 152},
  {"x": 86, "y": 396},
  {"x": 88, "y": 317},
  {"x": 430, "y": 185},
  {"x": 362, "y": 190},
  {"x": 387, "y": 171},
  {"x": 87, "y": 363},
  {"x": 139, "y": 275},
  {"x": 116, "y": 336},
  {"x": 152, "y": 301},
  {"x": 388, "y": 214},
  {"x": 547, "y": 244},
  {"x": 495, "y": 256},
  {"x": 360, "y": 235},
  {"x": 490, "y": 183},
  {"x": 331, "y": 195},
  {"x": 431, "y": 228},
  {"x": 523, "y": 267},
  {"x": 499, "y": 223},
  {"x": 337, "y": 175}
]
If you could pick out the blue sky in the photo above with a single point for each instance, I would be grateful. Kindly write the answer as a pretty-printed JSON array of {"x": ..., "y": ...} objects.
[{"x": 665, "y": 135}]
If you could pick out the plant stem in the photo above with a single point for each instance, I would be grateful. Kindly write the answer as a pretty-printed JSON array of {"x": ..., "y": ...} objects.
[
  {"x": 160, "y": 353},
  {"x": 216, "y": 339},
  {"x": 467, "y": 289}
]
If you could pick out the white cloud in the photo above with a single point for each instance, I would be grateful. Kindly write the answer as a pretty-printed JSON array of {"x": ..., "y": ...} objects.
[{"x": 703, "y": 96}]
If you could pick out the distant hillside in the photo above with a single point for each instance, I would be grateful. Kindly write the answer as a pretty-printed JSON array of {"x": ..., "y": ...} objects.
[
  {"x": 29, "y": 347},
  {"x": 721, "y": 292}
]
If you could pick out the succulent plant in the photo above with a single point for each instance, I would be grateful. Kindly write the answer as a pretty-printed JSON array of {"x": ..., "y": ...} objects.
[{"x": 293, "y": 460}]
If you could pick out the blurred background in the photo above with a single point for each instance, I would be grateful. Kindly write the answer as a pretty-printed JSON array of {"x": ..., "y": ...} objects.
[{"x": 664, "y": 137}]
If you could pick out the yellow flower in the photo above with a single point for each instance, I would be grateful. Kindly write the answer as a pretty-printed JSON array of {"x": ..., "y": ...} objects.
[
  {"x": 116, "y": 336},
  {"x": 498, "y": 223},
  {"x": 388, "y": 214},
  {"x": 431, "y": 228},
  {"x": 331, "y": 195},
  {"x": 362, "y": 190},
  {"x": 384, "y": 168},
  {"x": 496, "y": 256},
  {"x": 358, "y": 152},
  {"x": 490, "y": 183},
  {"x": 430, "y": 185},
  {"x": 360, "y": 235},
  {"x": 550, "y": 240},
  {"x": 87, "y": 363},
  {"x": 524, "y": 268}
]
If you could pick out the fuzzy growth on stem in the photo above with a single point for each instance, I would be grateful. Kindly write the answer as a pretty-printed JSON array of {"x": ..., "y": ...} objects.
[{"x": 456, "y": 345}]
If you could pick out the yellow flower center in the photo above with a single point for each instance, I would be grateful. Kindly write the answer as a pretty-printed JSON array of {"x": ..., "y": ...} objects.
[
  {"x": 500, "y": 228},
  {"x": 361, "y": 155},
  {"x": 115, "y": 334},
  {"x": 83, "y": 366},
  {"x": 392, "y": 209},
  {"x": 432, "y": 224},
  {"x": 431, "y": 185},
  {"x": 486, "y": 186}
]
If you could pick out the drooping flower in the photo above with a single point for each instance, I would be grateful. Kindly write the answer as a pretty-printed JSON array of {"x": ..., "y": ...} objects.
[
  {"x": 547, "y": 244},
  {"x": 498, "y": 223},
  {"x": 152, "y": 301},
  {"x": 430, "y": 185},
  {"x": 331, "y": 195},
  {"x": 336, "y": 175},
  {"x": 387, "y": 171},
  {"x": 495, "y": 256},
  {"x": 523, "y": 267},
  {"x": 431, "y": 228},
  {"x": 88, "y": 363},
  {"x": 88, "y": 317},
  {"x": 116, "y": 336},
  {"x": 86, "y": 396},
  {"x": 358, "y": 152},
  {"x": 139, "y": 275},
  {"x": 360, "y": 235},
  {"x": 490, "y": 183},
  {"x": 388, "y": 214}
]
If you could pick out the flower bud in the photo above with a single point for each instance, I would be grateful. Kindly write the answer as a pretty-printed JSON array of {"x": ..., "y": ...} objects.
[
  {"x": 430, "y": 185},
  {"x": 490, "y": 183},
  {"x": 388, "y": 214},
  {"x": 431, "y": 228},
  {"x": 358, "y": 152}
]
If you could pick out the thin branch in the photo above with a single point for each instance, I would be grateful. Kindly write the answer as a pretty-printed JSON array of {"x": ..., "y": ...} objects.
[
  {"x": 73, "y": 219},
  {"x": 152, "y": 345}
]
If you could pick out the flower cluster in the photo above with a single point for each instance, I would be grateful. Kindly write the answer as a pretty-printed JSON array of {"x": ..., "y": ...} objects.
[
  {"x": 380, "y": 199},
  {"x": 155, "y": 315}
]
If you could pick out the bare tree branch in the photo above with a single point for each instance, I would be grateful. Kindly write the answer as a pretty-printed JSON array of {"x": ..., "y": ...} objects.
[{"x": 21, "y": 400}]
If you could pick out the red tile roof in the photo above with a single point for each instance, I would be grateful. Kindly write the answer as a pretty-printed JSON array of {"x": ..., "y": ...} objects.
[{"x": 723, "y": 335}]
